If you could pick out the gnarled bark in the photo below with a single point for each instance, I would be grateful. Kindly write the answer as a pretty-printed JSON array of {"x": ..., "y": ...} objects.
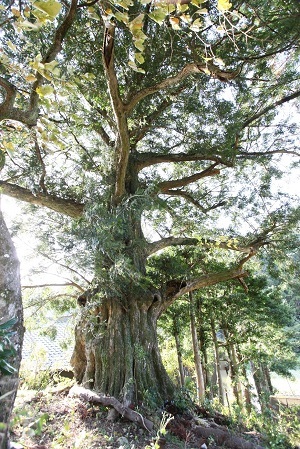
[{"x": 116, "y": 351}]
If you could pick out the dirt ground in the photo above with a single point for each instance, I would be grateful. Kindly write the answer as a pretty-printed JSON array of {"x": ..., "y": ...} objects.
[{"x": 54, "y": 420}]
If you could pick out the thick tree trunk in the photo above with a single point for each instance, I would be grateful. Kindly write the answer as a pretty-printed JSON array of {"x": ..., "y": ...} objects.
[
  {"x": 10, "y": 307},
  {"x": 116, "y": 351},
  {"x": 197, "y": 356}
]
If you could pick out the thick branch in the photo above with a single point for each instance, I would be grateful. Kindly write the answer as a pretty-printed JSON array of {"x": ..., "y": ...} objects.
[
  {"x": 94, "y": 398},
  {"x": 122, "y": 145},
  {"x": 147, "y": 159},
  {"x": 206, "y": 280},
  {"x": 64, "y": 206},
  {"x": 167, "y": 185},
  {"x": 188, "y": 70},
  {"x": 230, "y": 244}
]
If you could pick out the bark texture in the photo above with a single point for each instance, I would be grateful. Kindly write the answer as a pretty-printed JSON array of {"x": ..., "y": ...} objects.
[
  {"x": 116, "y": 351},
  {"x": 10, "y": 307}
]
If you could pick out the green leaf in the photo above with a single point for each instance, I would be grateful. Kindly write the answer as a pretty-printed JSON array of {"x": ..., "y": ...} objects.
[
  {"x": 6, "y": 368},
  {"x": 122, "y": 17},
  {"x": 159, "y": 15},
  {"x": 45, "y": 91},
  {"x": 8, "y": 324}
]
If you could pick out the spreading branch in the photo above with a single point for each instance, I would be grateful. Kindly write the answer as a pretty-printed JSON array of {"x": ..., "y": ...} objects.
[
  {"x": 230, "y": 244},
  {"x": 63, "y": 206},
  {"x": 209, "y": 279},
  {"x": 148, "y": 158},
  {"x": 188, "y": 70},
  {"x": 165, "y": 186}
]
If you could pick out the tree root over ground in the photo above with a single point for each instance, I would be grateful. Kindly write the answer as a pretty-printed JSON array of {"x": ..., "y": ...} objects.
[
  {"x": 94, "y": 398},
  {"x": 203, "y": 430}
]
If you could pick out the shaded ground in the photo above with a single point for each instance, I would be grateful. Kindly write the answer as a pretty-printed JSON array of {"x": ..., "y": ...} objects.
[{"x": 53, "y": 420}]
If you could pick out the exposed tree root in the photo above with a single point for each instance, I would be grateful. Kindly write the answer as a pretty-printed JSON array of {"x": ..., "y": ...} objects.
[
  {"x": 94, "y": 398},
  {"x": 225, "y": 438}
]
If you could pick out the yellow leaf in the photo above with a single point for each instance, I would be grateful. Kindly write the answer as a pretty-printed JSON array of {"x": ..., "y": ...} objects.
[
  {"x": 11, "y": 46},
  {"x": 133, "y": 65},
  {"x": 124, "y": 3},
  {"x": 174, "y": 21},
  {"x": 197, "y": 2},
  {"x": 202, "y": 11},
  {"x": 15, "y": 12},
  {"x": 50, "y": 7},
  {"x": 186, "y": 18},
  {"x": 224, "y": 5},
  {"x": 30, "y": 78},
  {"x": 139, "y": 57},
  {"x": 137, "y": 23},
  {"x": 196, "y": 25},
  {"x": 45, "y": 91},
  {"x": 182, "y": 8},
  {"x": 8, "y": 145},
  {"x": 139, "y": 44}
]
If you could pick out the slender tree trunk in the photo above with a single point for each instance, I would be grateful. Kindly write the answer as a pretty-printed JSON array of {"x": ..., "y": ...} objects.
[
  {"x": 202, "y": 343},
  {"x": 234, "y": 365},
  {"x": 10, "y": 307},
  {"x": 178, "y": 350},
  {"x": 217, "y": 362},
  {"x": 197, "y": 356},
  {"x": 261, "y": 384},
  {"x": 267, "y": 376}
]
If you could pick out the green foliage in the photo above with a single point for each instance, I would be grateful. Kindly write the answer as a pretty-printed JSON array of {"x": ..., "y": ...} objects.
[{"x": 7, "y": 351}]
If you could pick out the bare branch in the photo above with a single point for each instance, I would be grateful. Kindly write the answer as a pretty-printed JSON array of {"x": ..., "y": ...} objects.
[
  {"x": 266, "y": 153},
  {"x": 192, "y": 200},
  {"x": 63, "y": 206},
  {"x": 270, "y": 108},
  {"x": 66, "y": 284}
]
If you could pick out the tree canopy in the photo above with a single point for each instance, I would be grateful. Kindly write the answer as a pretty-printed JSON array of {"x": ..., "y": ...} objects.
[{"x": 143, "y": 126}]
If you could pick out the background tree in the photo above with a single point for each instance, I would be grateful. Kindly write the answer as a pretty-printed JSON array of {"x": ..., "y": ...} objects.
[{"x": 165, "y": 141}]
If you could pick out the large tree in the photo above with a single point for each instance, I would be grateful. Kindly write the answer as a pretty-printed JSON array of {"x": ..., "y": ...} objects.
[{"x": 127, "y": 116}]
